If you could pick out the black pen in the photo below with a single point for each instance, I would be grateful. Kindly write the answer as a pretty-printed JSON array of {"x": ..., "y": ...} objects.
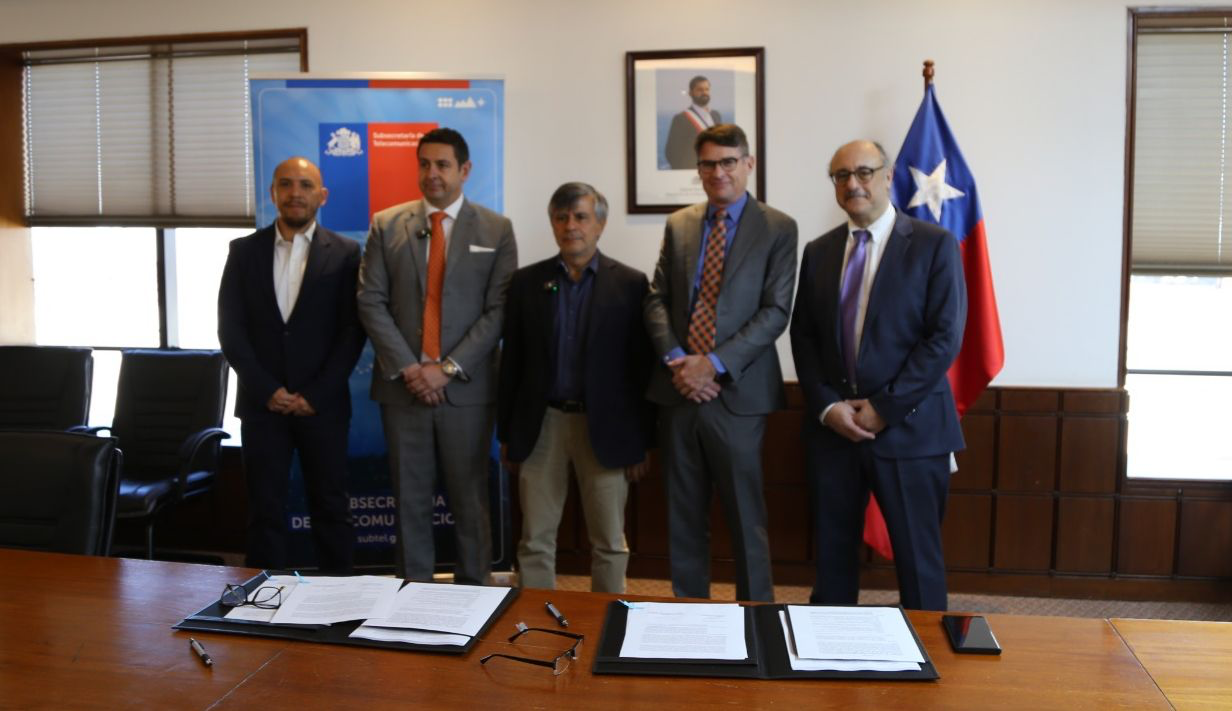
[
  {"x": 560, "y": 619},
  {"x": 200, "y": 652}
]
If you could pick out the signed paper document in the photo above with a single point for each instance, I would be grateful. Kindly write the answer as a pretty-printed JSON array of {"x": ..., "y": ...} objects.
[
  {"x": 326, "y": 600},
  {"x": 685, "y": 630}
]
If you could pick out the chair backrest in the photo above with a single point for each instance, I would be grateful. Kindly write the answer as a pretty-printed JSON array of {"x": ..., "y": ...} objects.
[
  {"x": 162, "y": 398},
  {"x": 58, "y": 491},
  {"x": 44, "y": 387}
]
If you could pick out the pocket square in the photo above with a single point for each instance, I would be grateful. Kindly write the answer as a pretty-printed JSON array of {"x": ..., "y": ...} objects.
[{"x": 479, "y": 249}]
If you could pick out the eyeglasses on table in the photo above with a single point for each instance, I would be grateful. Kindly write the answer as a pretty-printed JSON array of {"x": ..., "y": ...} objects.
[{"x": 559, "y": 664}]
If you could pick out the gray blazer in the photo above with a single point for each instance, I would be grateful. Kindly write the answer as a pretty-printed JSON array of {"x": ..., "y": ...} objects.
[
  {"x": 753, "y": 309},
  {"x": 481, "y": 257}
]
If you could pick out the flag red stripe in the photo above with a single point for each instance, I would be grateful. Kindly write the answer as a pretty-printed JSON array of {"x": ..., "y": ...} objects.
[{"x": 983, "y": 352}]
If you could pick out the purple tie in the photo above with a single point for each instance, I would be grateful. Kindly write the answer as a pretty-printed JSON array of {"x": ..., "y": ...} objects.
[{"x": 849, "y": 300}]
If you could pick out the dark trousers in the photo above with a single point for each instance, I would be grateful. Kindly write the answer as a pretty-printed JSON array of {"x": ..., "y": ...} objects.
[
  {"x": 269, "y": 442},
  {"x": 708, "y": 450},
  {"x": 911, "y": 494}
]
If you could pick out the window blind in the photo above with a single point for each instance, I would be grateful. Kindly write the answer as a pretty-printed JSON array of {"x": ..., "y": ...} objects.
[
  {"x": 1182, "y": 190},
  {"x": 156, "y": 134}
]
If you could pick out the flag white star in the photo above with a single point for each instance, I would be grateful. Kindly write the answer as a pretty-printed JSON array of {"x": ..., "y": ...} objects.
[{"x": 932, "y": 190}]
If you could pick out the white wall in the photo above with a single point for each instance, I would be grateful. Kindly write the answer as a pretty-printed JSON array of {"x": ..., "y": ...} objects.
[{"x": 1034, "y": 90}]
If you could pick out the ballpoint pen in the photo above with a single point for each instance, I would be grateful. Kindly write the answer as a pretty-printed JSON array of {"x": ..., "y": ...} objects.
[
  {"x": 200, "y": 652},
  {"x": 560, "y": 619}
]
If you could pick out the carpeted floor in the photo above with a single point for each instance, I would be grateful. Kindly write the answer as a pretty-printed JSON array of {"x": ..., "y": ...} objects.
[{"x": 963, "y": 602}]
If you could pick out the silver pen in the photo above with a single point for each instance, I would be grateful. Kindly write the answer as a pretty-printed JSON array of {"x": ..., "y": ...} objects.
[{"x": 200, "y": 652}]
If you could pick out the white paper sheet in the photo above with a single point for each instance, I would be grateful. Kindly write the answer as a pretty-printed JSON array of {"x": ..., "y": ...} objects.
[
  {"x": 684, "y": 630},
  {"x": 799, "y": 664},
  {"x": 325, "y": 600},
  {"x": 856, "y": 633},
  {"x": 248, "y": 613},
  {"x": 458, "y": 609},
  {"x": 388, "y": 634}
]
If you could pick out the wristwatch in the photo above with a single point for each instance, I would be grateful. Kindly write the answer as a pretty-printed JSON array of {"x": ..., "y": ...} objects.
[{"x": 450, "y": 368}]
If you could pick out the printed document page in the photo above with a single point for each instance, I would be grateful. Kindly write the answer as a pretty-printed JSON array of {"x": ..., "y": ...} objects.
[
  {"x": 325, "y": 600},
  {"x": 865, "y": 633},
  {"x": 685, "y": 630},
  {"x": 458, "y": 609},
  {"x": 799, "y": 664}
]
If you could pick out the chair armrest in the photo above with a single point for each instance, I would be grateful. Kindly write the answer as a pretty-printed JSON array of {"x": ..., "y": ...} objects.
[
  {"x": 82, "y": 429},
  {"x": 189, "y": 450}
]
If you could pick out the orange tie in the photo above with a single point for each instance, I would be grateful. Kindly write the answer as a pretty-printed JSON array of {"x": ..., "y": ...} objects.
[
  {"x": 436, "y": 280},
  {"x": 703, "y": 322}
]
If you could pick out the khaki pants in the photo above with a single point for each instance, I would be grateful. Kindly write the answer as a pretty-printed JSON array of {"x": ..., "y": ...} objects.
[{"x": 543, "y": 485}]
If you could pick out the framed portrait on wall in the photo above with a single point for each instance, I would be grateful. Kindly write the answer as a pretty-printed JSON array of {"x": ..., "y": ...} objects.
[{"x": 670, "y": 97}]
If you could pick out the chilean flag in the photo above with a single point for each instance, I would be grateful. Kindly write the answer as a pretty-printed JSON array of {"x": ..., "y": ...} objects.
[{"x": 932, "y": 183}]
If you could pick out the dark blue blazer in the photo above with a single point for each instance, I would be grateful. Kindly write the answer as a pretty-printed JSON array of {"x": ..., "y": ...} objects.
[
  {"x": 913, "y": 330},
  {"x": 617, "y": 357},
  {"x": 312, "y": 353}
]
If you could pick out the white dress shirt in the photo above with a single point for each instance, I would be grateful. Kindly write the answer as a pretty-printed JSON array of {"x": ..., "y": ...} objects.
[
  {"x": 880, "y": 231},
  {"x": 451, "y": 216},
  {"x": 290, "y": 258}
]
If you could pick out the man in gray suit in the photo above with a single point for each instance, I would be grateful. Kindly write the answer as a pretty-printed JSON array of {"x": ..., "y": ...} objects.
[
  {"x": 720, "y": 297},
  {"x": 431, "y": 296}
]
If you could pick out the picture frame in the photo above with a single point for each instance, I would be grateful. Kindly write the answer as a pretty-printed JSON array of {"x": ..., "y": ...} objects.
[{"x": 667, "y": 105}]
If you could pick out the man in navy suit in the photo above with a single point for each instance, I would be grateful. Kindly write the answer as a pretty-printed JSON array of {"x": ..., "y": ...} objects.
[
  {"x": 878, "y": 320},
  {"x": 574, "y": 365},
  {"x": 288, "y": 325}
]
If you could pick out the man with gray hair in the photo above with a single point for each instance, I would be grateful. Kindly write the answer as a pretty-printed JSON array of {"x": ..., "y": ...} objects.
[{"x": 575, "y": 362}]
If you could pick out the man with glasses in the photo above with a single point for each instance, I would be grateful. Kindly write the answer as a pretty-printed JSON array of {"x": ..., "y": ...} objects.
[
  {"x": 720, "y": 296},
  {"x": 879, "y": 319},
  {"x": 575, "y": 359}
]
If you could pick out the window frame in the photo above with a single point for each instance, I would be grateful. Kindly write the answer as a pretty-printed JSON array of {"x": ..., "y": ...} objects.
[{"x": 1138, "y": 18}]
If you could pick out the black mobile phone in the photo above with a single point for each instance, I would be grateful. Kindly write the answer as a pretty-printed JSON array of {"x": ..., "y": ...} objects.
[{"x": 970, "y": 634}]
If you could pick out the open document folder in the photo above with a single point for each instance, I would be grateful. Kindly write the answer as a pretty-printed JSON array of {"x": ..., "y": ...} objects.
[
  {"x": 761, "y": 642},
  {"x": 363, "y": 610}
]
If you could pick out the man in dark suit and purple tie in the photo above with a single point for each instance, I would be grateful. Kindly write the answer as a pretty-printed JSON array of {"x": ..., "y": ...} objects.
[
  {"x": 878, "y": 320},
  {"x": 288, "y": 325}
]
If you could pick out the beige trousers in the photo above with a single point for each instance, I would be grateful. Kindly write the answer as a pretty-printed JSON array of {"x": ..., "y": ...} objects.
[{"x": 543, "y": 484}]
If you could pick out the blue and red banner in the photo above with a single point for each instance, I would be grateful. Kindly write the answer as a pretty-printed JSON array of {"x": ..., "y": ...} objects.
[{"x": 364, "y": 134}]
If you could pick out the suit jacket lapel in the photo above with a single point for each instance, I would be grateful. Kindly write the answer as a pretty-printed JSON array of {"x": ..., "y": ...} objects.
[
  {"x": 752, "y": 222},
  {"x": 693, "y": 237},
  {"x": 545, "y": 304},
  {"x": 459, "y": 238},
  {"x": 264, "y": 267},
  {"x": 890, "y": 265},
  {"x": 417, "y": 246},
  {"x": 831, "y": 272},
  {"x": 319, "y": 252}
]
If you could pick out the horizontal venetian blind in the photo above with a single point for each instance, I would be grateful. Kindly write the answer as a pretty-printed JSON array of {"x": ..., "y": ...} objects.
[
  {"x": 1182, "y": 199},
  {"x": 154, "y": 134}
]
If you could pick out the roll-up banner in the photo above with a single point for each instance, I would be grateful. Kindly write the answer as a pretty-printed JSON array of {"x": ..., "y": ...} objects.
[{"x": 363, "y": 132}]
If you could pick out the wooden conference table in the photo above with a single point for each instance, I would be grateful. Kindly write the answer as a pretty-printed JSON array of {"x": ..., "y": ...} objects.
[{"x": 81, "y": 631}]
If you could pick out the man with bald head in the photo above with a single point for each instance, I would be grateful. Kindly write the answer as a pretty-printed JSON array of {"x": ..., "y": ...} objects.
[
  {"x": 288, "y": 325},
  {"x": 878, "y": 320}
]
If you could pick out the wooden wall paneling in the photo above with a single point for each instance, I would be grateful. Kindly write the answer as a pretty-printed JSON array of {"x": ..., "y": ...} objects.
[
  {"x": 1089, "y": 453},
  {"x": 1106, "y": 402},
  {"x": 1146, "y": 536},
  {"x": 1084, "y": 534},
  {"x": 967, "y": 531},
  {"x": 1029, "y": 400},
  {"x": 1027, "y": 453},
  {"x": 1024, "y": 532},
  {"x": 976, "y": 464},
  {"x": 1206, "y": 539}
]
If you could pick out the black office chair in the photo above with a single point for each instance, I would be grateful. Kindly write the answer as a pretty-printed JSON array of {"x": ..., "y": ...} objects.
[
  {"x": 58, "y": 491},
  {"x": 44, "y": 387},
  {"x": 169, "y": 408}
]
